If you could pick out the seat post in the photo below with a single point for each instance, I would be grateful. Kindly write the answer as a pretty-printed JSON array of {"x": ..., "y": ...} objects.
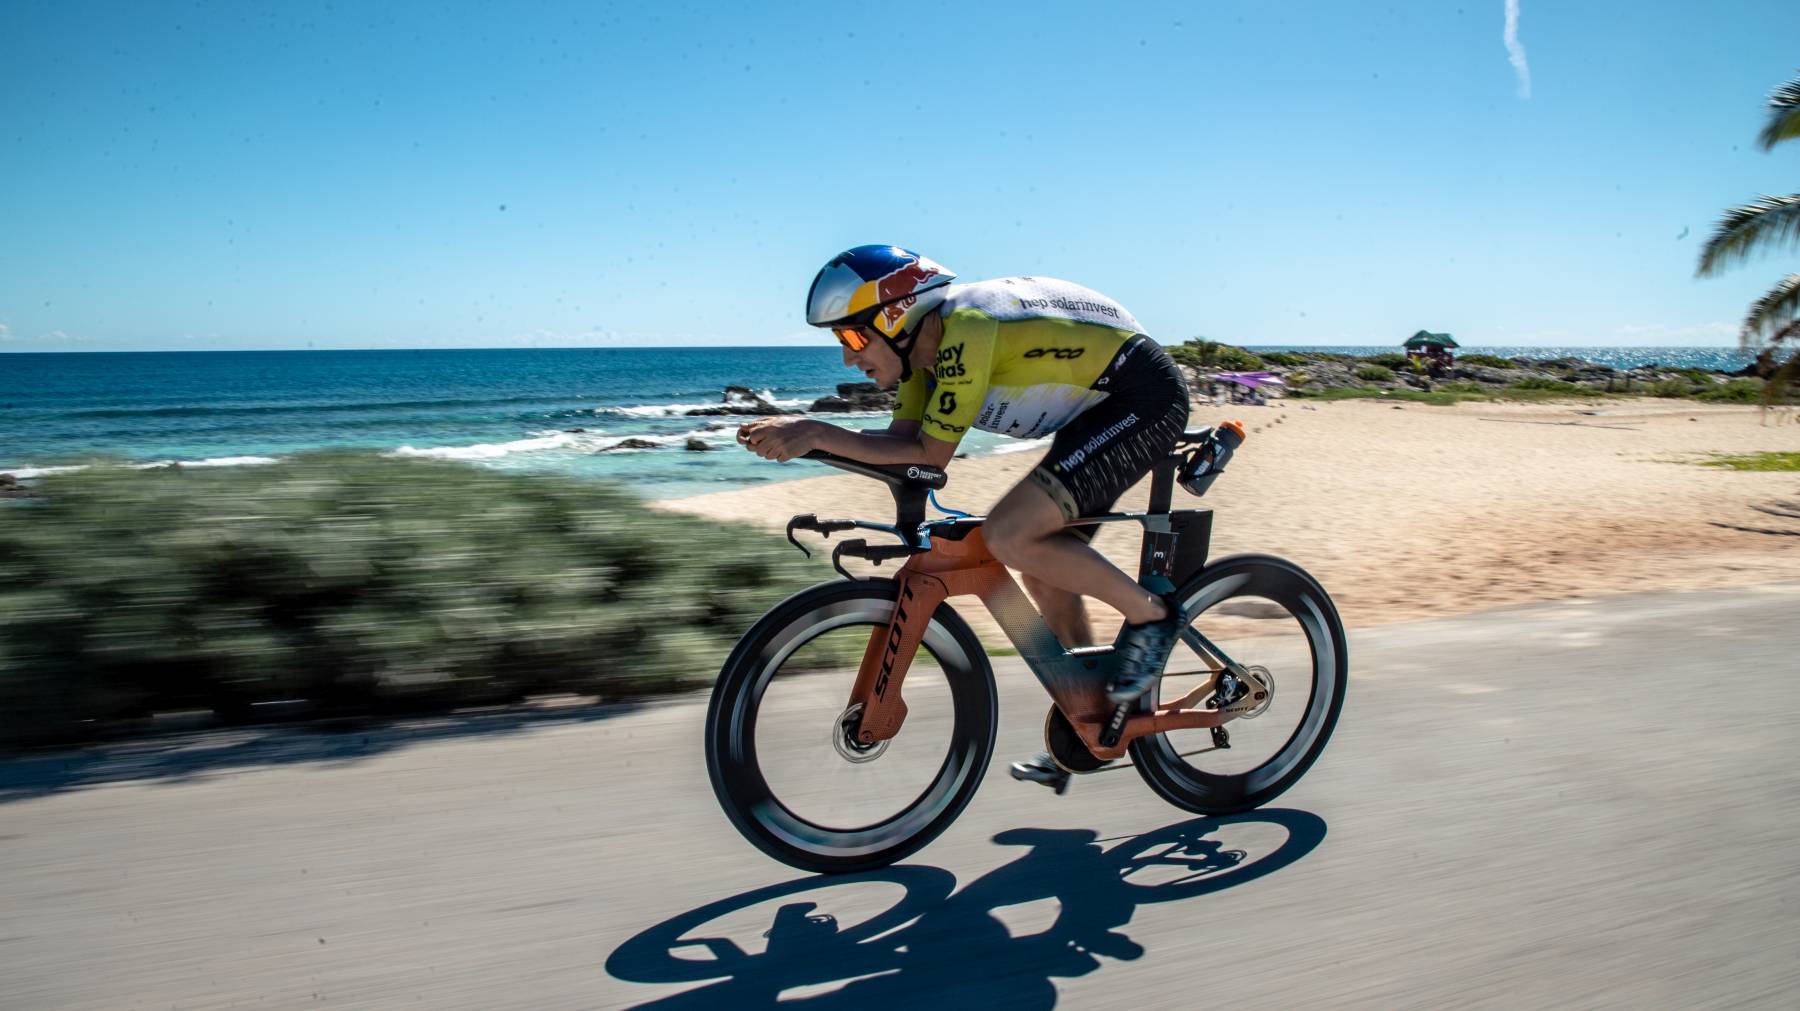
[{"x": 1162, "y": 484}]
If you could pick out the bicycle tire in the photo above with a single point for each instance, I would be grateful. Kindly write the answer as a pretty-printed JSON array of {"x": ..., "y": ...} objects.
[
  {"x": 731, "y": 757},
  {"x": 1156, "y": 758}
]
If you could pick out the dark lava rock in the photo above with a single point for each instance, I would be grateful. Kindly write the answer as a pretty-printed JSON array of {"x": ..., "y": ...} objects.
[
  {"x": 739, "y": 400},
  {"x": 698, "y": 445},
  {"x": 855, "y": 397},
  {"x": 628, "y": 444}
]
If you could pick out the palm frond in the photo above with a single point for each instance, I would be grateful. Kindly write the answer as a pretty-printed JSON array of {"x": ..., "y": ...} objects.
[
  {"x": 1784, "y": 115},
  {"x": 1764, "y": 221},
  {"x": 1774, "y": 312}
]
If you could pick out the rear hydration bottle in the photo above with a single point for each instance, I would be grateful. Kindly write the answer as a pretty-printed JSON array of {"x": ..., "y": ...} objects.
[{"x": 1204, "y": 463}]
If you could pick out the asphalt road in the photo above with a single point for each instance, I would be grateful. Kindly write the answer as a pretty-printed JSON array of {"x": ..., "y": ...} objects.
[{"x": 1583, "y": 804}]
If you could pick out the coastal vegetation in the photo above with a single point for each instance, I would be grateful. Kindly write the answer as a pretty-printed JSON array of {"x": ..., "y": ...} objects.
[
  {"x": 1200, "y": 353},
  {"x": 1771, "y": 461},
  {"x": 345, "y": 584},
  {"x": 1324, "y": 375},
  {"x": 1772, "y": 326}
]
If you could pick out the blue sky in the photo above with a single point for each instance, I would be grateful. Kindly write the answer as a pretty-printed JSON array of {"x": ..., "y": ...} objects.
[{"x": 238, "y": 175}]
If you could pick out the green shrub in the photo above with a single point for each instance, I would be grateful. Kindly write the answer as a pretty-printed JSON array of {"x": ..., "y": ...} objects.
[
  {"x": 359, "y": 585},
  {"x": 1767, "y": 461},
  {"x": 1205, "y": 354},
  {"x": 1547, "y": 385},
  {"x": 1388, "y": 360},
  {"x": 1737, "y": 391},
  {"x": 1285, "y": 359},
  {"x": 1672, "y": 388},
  {"x": 1487, "y": 361},
  {"x": 1375, "y": 374},
  {"x": 1234, "y": 359},
  {"x": 1296, "y": 380}
]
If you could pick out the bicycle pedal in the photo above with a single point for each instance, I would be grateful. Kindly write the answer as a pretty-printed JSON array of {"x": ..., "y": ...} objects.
[{"x": 1034, "y": 772}]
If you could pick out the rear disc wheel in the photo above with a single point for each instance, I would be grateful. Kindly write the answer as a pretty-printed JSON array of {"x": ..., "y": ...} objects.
[{"x": 1272, "y": 617}]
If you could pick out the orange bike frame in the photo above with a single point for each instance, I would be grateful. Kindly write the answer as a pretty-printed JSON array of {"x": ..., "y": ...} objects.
[{"x": 1075, "y": 679}]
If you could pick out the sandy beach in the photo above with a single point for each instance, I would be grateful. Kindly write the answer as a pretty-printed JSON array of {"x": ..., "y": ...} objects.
[{"x": 1407, "y": 512}]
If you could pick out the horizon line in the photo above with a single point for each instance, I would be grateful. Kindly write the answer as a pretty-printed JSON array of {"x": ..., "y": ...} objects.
[{"x": 757, "y": 347}]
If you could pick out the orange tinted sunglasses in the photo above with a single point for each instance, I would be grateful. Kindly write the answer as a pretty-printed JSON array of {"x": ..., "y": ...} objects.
[{"x": 851, "y": 337}]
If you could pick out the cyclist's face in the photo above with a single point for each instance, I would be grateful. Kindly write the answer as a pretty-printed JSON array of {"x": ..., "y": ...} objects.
[{"x": 877, "y": 360}]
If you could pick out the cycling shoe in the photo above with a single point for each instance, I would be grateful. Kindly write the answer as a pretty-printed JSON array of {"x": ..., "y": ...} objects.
[
  {"x": 1143, "y": 652},
  {"x": 1042, "y": 769}
]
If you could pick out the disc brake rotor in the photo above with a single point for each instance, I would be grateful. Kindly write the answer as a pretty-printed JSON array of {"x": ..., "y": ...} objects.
[
  {"x": 1266, "y": 683},
  {"x": 843, "y": 738}
]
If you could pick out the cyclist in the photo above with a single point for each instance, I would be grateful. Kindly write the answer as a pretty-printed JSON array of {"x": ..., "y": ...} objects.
[{"x": 1024, "y": 357}]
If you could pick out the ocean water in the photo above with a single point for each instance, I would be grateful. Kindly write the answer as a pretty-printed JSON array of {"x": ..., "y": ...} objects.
[{"x": 510, "y": 409}]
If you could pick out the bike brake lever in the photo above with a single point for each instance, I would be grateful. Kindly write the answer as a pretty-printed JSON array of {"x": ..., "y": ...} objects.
[
  {"x": 804, "y": 521},
  {"x": 811, "y": 521}
]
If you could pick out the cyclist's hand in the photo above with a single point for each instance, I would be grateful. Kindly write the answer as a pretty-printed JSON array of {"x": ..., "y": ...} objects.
[{"x": 780, "y": 439}]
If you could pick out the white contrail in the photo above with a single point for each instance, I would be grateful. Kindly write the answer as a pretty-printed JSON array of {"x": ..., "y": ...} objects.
[{"x": 1516, "y": 52}]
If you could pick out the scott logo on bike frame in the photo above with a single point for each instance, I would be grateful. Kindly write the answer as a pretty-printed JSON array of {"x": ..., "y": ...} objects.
[{"x": 893, "y": 642}]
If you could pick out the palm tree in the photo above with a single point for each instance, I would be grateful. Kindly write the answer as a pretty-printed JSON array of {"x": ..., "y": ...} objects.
[{"x": 1773, "y": 323}]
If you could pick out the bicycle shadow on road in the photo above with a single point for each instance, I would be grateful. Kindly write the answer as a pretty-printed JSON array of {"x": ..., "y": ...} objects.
[
  {"x": 187, "y": 756},
  {"x": 952, "y": 947}
]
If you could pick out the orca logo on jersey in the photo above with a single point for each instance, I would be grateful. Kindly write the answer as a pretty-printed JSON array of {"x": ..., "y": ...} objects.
[
  {"x": 1056, "y": 352},
  {"x": 946, "y": 403}
]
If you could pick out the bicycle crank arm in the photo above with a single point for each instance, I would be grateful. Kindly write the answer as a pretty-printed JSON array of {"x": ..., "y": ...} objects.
[{"x": 1093, "y": 732}]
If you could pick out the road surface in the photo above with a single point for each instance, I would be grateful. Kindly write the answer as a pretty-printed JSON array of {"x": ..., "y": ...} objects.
[{"x": 1577, "y": 804}]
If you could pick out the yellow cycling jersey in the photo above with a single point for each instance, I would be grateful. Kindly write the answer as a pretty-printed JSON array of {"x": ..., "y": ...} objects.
[{"x": 1021, "y": 356}]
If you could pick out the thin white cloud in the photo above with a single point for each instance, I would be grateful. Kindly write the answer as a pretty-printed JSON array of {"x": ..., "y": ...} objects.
[
  {"x": 1515, "y": 50},
  {"x": 5, "y": 333}
]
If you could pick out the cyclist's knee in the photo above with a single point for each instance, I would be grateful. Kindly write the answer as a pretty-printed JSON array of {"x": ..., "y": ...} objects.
[
  {"x": 1022, "y": 520},
  {"x": 1008, "y": 540}
]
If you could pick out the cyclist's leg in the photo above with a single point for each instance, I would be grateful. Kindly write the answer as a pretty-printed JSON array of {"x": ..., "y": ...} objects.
[
  {"x": 1063, "y": 611},
  {"x": 1025, "y": 531},
  {"x": 1092, "y": 461}
]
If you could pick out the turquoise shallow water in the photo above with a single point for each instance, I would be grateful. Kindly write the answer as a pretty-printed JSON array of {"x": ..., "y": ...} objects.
[{"x": 511, "y": 409}]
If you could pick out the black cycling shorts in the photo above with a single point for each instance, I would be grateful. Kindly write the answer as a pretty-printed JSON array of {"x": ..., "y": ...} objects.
[{"x": 1110, "y": 447}]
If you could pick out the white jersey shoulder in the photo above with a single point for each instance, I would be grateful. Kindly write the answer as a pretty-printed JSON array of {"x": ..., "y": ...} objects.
[{"x": 1010, "y": 299}]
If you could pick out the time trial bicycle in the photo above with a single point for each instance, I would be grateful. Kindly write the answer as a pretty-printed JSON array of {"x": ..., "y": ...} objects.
[{"x": 803, "y": 734}]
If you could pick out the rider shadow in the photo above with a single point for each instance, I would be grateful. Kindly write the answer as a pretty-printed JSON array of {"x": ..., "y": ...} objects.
[{"x": 935, "y": 945}]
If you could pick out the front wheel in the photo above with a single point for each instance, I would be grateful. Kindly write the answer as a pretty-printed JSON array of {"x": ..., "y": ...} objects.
[
  {"x": 780, "y": 744},
  {"x": 1269, "y": 615}
]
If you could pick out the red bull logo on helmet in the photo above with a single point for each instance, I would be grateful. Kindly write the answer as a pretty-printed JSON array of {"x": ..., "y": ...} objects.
[{"x": 897, "y": 290}]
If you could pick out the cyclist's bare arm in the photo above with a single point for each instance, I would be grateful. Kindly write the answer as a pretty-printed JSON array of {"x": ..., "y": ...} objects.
[{"x": 900, "y": 442}]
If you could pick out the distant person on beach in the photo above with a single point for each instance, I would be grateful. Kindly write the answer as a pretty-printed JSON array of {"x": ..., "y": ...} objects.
[{"x": 1024, "y": 357}]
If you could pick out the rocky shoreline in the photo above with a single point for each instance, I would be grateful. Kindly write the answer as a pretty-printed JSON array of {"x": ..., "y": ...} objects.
[
  {"x": 1307, "y": 374},
  {"x": 1320, "y": 373},
  {"x": 740, "y": 401}
]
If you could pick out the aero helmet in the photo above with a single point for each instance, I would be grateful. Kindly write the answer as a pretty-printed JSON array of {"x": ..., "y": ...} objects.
[{"x": 886, "y": 287}]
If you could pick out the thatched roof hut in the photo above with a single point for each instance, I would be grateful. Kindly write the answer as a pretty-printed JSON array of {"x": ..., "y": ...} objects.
[{"x": 1425, "y": 340}]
